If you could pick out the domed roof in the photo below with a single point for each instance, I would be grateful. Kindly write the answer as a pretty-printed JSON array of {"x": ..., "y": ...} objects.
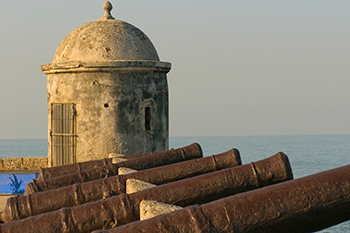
[{"x": 105, "y": 39}]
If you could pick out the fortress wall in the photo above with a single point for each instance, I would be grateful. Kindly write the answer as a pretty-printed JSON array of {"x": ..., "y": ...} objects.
[{"x": 20, "y": 164}]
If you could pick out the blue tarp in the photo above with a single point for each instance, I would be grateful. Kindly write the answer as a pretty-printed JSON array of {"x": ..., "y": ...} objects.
[{"x": 15, "y": 183}]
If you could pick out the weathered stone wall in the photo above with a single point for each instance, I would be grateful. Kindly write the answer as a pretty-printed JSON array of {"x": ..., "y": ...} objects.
[
  {"x": 110, "y": 111},
  {"x": 20, "y": 164}
]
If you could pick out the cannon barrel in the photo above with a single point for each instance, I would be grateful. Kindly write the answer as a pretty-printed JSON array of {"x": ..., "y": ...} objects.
[
  {"x": 303, "y": 205},
  {"x": 51, "y": 172},
  {"x": 124, "y": 208},
  {"x": 153, "y": 160},
  {"x": 19, "y": 207}
]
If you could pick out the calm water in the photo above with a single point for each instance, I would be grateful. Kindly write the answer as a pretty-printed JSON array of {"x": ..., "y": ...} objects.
[
  {"x": 307, "y": 154},
  {"x": 23, "y": 148}
]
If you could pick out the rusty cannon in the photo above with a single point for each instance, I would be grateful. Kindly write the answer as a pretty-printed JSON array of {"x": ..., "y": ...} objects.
[
  {"x": 148, "y": 161},
  {"x": 124, "y": 208},
  {"x": 51, "y": 172},
  {"x": 303, "y": 205},
  {"x": 25, "y": 206}
]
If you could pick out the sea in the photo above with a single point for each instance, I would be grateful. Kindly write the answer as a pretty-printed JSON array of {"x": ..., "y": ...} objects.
[{"x": 308, "y": 154}]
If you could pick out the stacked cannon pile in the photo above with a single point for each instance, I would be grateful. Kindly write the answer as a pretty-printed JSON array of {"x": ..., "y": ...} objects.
[{"x": 179, "y": 191}]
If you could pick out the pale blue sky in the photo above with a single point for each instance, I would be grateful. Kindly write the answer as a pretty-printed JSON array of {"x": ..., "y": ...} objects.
[{"x": 246, "y": 67}]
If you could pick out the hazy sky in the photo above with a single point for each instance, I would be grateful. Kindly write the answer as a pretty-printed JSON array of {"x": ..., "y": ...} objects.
[{"x": 238, "y": 67}]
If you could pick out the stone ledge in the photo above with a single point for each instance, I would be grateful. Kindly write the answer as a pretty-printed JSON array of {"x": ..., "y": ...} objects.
[
  {"x": 107, "y": 66},
  {"x": 20, "y": 164}
]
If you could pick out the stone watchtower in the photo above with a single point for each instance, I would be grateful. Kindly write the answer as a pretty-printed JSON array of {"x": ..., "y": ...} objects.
[{"x": 107, "y": 92}]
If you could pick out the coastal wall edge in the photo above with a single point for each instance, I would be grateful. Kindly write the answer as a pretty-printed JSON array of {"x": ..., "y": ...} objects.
[{"x": 20, "y": 164}]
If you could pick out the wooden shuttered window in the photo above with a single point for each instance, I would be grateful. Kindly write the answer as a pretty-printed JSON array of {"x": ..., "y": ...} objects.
[{"x": 63, "y": 137}]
